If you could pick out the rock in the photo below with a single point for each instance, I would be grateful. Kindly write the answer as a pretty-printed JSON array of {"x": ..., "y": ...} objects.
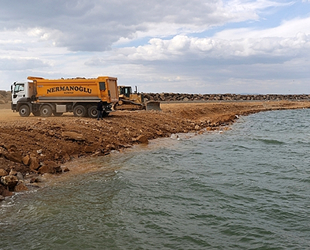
[
  {"x": 20, "y": 176},
  {"x": 13, "y": 156},
  {"x": 34, "y": 164},
  {"x": 68, "y": 135},
  {"x": 159, "y": 133},
  {"x": 50, "y": 167},
  {"x": 110, "y": 147},
  {"x": 10, "y": 181},
  {"x": 141, "y": 139},
  {"x": 35, "y": 180},
  {"x": 26, "y": 160},
  {"x": 10, "y": 147},
  {"x": 51, "y": 133},
  {"x": 46, "y": 169},
  {"x": 20, "y": 187},
  {"x": 90, "y": 149},
  {"x": 67, "y": 157},
  {"x": 3, "y": 172},
  {"x": 66, "y": 169},
  {"x": 1, "y": 198},
  {"x": 4, "y": 191},
  {"x": 13, "y": 172}
]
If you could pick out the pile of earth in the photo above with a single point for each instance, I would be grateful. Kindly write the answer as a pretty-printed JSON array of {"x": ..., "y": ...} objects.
[
  {"x": 176, "y": 97},
  {"x": 5, "y": 96}
]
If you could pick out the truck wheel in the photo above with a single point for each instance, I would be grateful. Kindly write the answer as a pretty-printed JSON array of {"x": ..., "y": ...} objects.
[
  {"x": 79, "y": 111},
  {"x": 24, "y": 111},
  {"x": 93, "y": 112},
  {"x": 46, "y": 111}
]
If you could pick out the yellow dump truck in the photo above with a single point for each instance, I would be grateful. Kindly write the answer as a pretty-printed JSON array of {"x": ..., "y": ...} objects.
[{"x": 46, "y": 97}]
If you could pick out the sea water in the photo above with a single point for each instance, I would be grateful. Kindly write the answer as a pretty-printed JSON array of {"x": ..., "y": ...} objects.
[{"x": 244, "y": 188}]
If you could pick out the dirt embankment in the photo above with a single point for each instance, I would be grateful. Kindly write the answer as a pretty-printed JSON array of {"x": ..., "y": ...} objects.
[
  {"x": 170, "y": 97},
  {"x": 5, "y": 96},
  {"x": 32, "y": 146}
]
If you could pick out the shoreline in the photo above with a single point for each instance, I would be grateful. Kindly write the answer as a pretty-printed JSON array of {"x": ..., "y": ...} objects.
[{"x": 32, "y": 147}]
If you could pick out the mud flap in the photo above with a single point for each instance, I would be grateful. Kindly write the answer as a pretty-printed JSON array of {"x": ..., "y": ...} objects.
[{"x": 153, "y": 105}]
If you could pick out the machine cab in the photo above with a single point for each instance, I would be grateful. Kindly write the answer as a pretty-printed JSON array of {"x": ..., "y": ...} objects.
[{"x": 125, "y": 91}]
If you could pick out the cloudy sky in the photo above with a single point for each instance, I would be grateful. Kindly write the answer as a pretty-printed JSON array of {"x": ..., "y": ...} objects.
[{"x": 180, "y": 46}]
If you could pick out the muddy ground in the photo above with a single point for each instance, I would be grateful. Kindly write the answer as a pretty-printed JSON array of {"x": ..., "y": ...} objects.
[{"x": 33, "y": 145}]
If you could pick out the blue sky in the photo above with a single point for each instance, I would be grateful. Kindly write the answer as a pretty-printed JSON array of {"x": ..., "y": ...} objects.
[{"x": 197, "y": 46}]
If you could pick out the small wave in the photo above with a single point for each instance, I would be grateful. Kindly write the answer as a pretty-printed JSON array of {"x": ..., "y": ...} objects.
[
  {"x": 6, "y": 205},
  {"x": 270, "y": 141}
]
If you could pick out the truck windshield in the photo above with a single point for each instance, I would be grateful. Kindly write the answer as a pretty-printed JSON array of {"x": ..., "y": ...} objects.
[{"x": 19, "y": 87}]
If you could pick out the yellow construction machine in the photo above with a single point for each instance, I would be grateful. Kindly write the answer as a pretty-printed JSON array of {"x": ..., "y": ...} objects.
[{"x": 133, "y": 101}]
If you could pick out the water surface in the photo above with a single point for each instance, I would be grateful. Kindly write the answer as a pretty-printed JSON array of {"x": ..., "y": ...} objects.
[{"x": 245, "y": 188}]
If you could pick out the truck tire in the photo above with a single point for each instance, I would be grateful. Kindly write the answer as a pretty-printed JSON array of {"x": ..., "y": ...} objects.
[
  {"x": 79, "y": 111},
  {"x": 93, "y": 112},
  {"x": 46, "y": 111},
  {"x": 24, "y": 111}
]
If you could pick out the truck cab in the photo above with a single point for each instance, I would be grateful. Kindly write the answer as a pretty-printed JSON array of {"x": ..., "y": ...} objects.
[
  {"x": 18, "y": 92},
  {"x": 21, "y": 91}
]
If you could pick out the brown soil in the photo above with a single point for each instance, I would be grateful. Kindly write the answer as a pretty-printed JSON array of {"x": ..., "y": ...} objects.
[{"x": 61, "y": 139}]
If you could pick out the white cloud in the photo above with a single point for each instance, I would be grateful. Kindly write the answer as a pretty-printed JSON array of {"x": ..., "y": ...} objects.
[
  {"x": 286, "y": 29},
  {"x": 158, "y": 45},
  {"x": 189, "y": 47},
  {"x": 94, "y": 26}
]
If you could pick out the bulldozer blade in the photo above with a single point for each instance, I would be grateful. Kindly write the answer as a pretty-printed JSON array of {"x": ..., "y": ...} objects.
[{"x": 153, "y": 105}]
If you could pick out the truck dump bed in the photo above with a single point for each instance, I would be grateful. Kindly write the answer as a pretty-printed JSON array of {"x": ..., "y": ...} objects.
[{"x": 76, "y": 89}]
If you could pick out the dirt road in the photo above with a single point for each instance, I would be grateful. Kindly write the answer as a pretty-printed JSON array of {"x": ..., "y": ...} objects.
[{"x": 40, "y": 145}]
